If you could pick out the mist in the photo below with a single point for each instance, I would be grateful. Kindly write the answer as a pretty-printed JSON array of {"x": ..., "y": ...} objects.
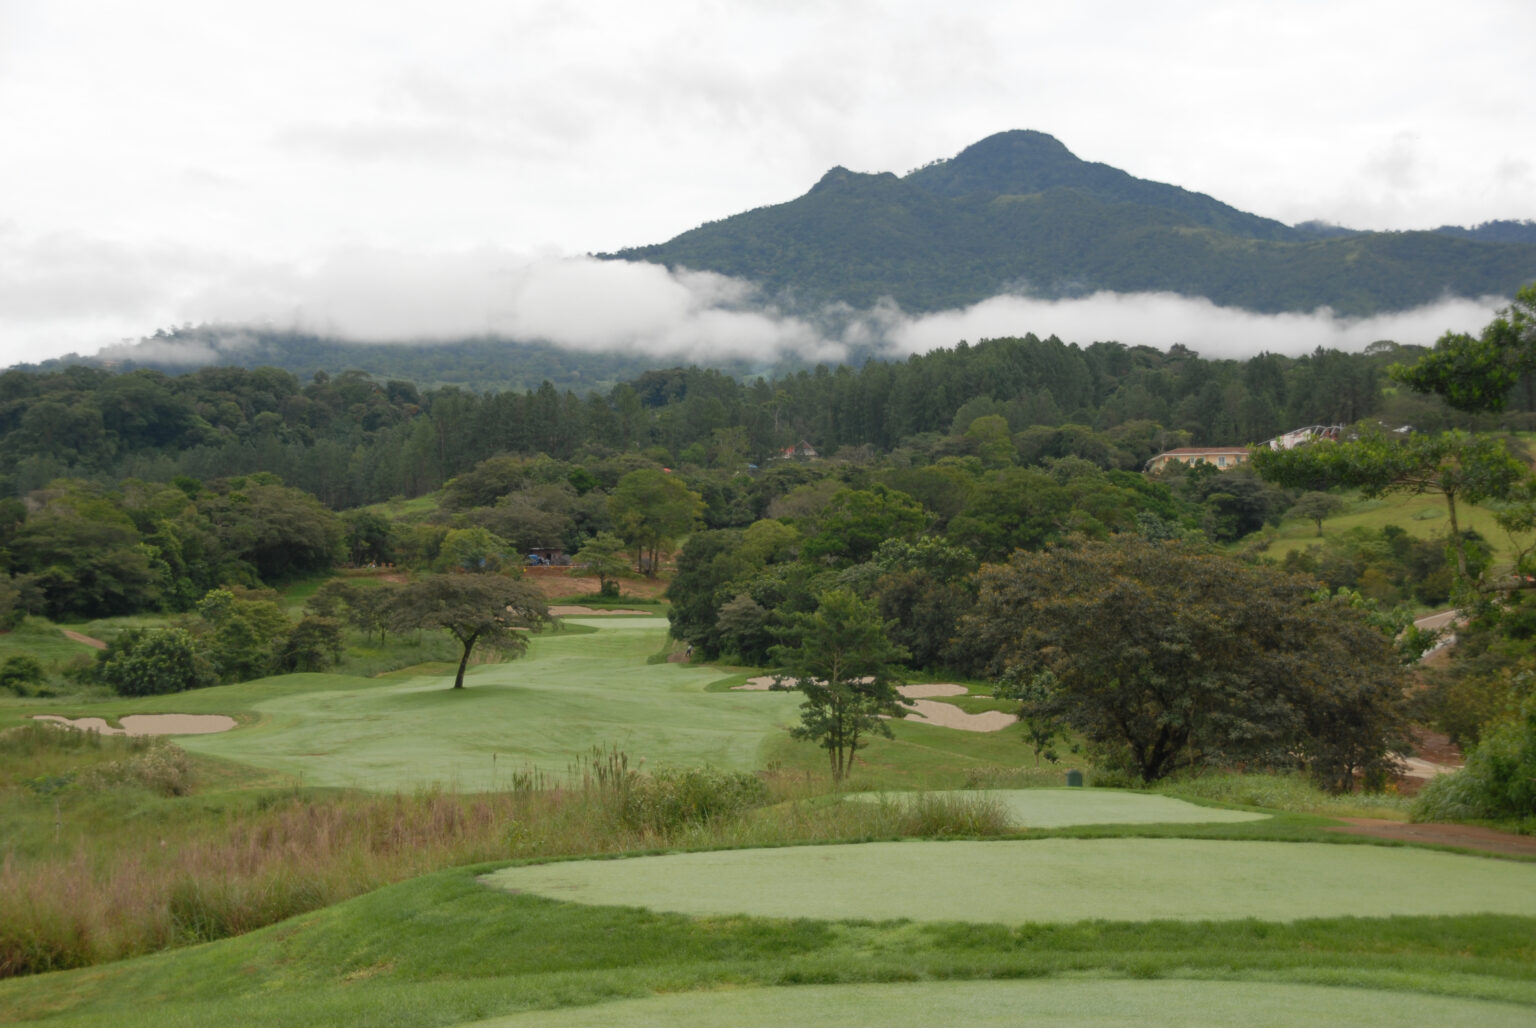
[{"x": 384, "y": 296}]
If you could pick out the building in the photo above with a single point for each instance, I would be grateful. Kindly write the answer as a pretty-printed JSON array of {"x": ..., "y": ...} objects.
[{"x": 1224, "y": 457}]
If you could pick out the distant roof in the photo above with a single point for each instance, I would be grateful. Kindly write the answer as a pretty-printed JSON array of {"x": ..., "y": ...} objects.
[{"x": 1191, "y": 450}]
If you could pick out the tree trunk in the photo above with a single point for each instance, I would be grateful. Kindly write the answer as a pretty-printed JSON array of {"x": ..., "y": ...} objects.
[{"x": 469, "y": 644}]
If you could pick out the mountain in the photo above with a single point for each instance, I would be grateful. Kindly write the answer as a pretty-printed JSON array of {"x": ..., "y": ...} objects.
[{"x": 1018, "y": 212}]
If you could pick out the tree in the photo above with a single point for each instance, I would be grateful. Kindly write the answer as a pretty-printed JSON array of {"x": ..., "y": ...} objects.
[
  {"x": 652, "y": 509},
  {"x": 473, "y": 608},
  {"x": 1316, "y": 507},
  {"x": 603, "y": 556},
  {"x": 313, "y": 644},
  {"x": 1166, "y": 657},
  {"x": 140, "y": 662},
  {"x": 1477, "y": 374},
  {"x": 840, "y": 658}
]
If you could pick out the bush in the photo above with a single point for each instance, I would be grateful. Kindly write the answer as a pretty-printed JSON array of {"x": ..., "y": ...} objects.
[
  {"x": 1498, "y": 782},
  {"x": 21, "y": 673},
  {"x": 161, "y": 767}
]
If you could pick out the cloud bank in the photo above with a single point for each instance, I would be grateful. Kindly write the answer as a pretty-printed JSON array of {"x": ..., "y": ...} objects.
[{"x": 61, "y": 294}]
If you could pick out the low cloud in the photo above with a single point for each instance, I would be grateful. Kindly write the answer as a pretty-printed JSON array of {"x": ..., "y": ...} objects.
[{"x": 83, "y": 296}]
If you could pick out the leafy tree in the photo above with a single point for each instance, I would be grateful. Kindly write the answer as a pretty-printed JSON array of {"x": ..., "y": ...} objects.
[
  {"x": 651, "y": 509},
  {"x": 840, "y": 659},
  {"x": 140, "y": 662},
  {"x": 1477, "y": 374},
  {"x": 857, "y": 521},
  {"x": 369, "y": 538},
  {"x": 1165, "y": 657},
  {"x": 473, "y": 608},
  {"x": 603, "y": 556},
  {"x": 313, "y": 644},
  {"x": 474, "y": 550},
  {"x": 1316, "y": 507}
]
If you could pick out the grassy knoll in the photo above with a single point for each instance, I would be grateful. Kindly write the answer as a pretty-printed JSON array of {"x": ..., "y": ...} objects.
[
  {"x": 1422, "y": 517},
  {"x": 570, "y": 693}
]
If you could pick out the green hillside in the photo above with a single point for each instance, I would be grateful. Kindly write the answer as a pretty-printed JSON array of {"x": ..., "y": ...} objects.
[{"x": 1019, "y": 212}]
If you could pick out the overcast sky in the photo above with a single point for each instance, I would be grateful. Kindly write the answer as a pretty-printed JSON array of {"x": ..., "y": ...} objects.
[{"x": 394, "y": 170}]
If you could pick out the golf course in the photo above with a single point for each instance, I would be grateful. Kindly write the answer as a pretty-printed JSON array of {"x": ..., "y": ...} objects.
[{"x": 652, "y": 847}]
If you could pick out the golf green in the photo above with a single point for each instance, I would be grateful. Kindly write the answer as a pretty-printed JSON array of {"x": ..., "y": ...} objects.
[
  {"x": 1045, "y": 880},
  {"x": 1073, "y": 1002},
  {"x": 1061, "y": 808},
  {"x": 571, "y": 692}
]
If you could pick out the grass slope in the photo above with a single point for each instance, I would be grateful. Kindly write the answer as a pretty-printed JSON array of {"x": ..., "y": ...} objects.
[
  {"x": 445, "y": 950},
  {"x": 570, "y": 693}
]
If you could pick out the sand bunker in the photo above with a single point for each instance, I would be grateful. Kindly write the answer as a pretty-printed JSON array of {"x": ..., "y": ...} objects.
[
  {"x": 565, "y": 610},
  {"x": 946, "y": 715},
  {"x": 148, "y": 724},
  {"x": 918, "y": 692},
  {"x": 950, "y": 716}
]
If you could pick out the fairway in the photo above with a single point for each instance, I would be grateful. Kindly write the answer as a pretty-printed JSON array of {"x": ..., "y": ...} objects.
[
  {"x": 1063, "y": 808},
  {"x": 1045, "y": 880},
  {"x": 1094, "y": 1002},
  {"x": 571, "y": 692}
]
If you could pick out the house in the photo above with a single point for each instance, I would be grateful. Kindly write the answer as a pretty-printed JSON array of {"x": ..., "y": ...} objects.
[
  {"x": 801, "y": 450},
  {"x": 1224, "y": 457}
]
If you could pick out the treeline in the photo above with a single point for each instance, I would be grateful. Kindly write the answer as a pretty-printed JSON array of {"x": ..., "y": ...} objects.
[{"x": 352, "y": 440}]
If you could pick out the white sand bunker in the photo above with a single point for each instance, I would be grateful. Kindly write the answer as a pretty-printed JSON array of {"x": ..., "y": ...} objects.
[
  {"x": 567, "y": 609},
  {"x": 922, "y": 709},
  {"x": 148, "y": 724}
]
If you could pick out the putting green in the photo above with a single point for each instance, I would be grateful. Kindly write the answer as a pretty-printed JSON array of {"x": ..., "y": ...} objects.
[
  {"x": 569, "y": 693},
  {"x": 1045, "y": 880},
  {"x": 1092, "y": 1002},
  {"x": 1061, "y": 808}
]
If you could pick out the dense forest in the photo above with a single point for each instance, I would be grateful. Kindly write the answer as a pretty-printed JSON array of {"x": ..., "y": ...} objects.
[{"x": 351, "y": 439}]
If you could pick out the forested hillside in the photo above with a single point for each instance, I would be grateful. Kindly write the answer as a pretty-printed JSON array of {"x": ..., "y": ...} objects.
[
  {"x": 1018, "y": 212},
  {"x": 351, "y": 439}
]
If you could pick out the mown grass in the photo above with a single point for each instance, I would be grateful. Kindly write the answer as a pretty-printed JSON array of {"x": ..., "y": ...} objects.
[{"x": 1422, "y": 517}]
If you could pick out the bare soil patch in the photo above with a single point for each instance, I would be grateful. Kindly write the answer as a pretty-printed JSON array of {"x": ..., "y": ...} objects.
[
  {"x": 81, "y": 638},
  {"x": 555, "y": 582},
  {"x": 1470, "y": 837},
  {"x": 148, "y": 724}
]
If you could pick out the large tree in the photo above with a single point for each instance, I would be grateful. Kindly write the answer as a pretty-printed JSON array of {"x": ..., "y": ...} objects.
[
  {"x": 840, "y": 659},
  {"x": 652, "y": 509},
  {"x": 1167, "y": 657},
  {"x": 492, "y": 609}
]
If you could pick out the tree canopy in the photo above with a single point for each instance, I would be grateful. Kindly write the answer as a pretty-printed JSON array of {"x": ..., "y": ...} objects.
[
  {"x": 1167, "y": 657},
  {"x": 491, "y": 609}
]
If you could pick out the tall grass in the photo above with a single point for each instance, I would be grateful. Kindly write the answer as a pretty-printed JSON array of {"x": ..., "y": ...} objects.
[{"x": 86, "y": 898}]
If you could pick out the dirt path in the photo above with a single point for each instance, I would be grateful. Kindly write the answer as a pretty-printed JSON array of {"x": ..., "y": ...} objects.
[
  {"x": 1468, "y": 836},
  {"x": 87, "y": 640}
]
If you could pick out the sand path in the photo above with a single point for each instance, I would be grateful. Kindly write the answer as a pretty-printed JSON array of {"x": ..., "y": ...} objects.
[{"x": 87, "y": 640}]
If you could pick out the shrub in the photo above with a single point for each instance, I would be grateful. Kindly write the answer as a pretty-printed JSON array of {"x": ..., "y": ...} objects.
[{"x": 1498, "y": 782}]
